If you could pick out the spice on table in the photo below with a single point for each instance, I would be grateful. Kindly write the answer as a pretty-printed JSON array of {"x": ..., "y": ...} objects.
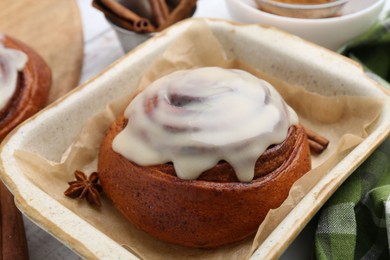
[{"x": 85, "y": 187}]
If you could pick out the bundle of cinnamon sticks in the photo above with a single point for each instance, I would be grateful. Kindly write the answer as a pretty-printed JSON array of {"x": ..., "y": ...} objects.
[{"x": 145, "y": 16}]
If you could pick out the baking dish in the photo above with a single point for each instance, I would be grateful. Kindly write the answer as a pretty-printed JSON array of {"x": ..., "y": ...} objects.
[{"x": 50, "y": 133}]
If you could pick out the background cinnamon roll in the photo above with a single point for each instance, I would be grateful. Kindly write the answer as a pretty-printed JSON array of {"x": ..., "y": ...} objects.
[
  {"x": 200, "y": 156},
  {"x": 25, "y": 81}
]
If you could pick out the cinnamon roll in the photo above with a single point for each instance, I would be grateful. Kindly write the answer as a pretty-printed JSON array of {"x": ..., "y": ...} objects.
[
  {"x": 25, "y": 81},
  {"x": 200, "y": 156}
]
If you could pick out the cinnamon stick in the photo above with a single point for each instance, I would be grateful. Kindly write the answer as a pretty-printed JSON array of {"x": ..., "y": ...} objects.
[
  {"x": 317, "y": 142},
  {"x": 123, "y": 16},
  {"x": 112, "y": 17},
  {"x": 315, "y": 147},
  {"x": 164, "y": 7},
  {"x": 160, "y": 11},
  {"x": 13, "y": 237},
  {"x": 183, "y": 10},
  {"x": 140, "y": 24}
]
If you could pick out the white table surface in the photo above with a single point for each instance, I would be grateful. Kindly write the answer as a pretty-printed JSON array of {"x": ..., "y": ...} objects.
[{"x": 101, "y": 48}]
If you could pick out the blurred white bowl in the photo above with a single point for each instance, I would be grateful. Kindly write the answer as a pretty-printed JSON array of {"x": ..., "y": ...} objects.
[
  {"x": 129, "y": 39},
  {"x": 356, "y": 17},
  {"x": 299, "y": 10}
]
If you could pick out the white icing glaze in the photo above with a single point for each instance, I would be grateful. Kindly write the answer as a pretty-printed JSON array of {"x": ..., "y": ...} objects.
[
  {"x": 196, "y": 118},
  {"x": 11, "y": 61}
]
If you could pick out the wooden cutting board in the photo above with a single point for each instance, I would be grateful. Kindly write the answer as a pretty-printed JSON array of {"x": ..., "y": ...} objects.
[{"x": 54, "y": 29}]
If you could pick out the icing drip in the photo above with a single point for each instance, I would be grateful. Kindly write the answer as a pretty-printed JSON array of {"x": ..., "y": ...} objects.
[
  {"x": 196, "y": 118},
  {"x": 11, "y": 61}
]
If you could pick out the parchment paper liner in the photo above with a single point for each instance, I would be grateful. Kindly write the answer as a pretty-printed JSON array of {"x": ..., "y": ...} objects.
[{"x": 342, "y": 119}]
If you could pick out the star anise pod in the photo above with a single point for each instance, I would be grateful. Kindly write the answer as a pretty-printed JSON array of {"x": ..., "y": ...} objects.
[{"x": 84, "y": 187}]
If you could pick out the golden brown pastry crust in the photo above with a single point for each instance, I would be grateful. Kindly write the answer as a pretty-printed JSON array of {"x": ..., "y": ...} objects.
[
  {"x": 196, "y": 213},
  {"x": 32, "y": 89}
]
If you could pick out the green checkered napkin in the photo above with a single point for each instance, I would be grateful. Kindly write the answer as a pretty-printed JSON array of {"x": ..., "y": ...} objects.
[{"x": 355, "y": 222}]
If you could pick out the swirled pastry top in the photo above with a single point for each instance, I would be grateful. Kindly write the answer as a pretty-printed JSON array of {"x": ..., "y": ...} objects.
[
  {"x": 196, "y": 118},
  {"x": 11, "y": 62}
]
